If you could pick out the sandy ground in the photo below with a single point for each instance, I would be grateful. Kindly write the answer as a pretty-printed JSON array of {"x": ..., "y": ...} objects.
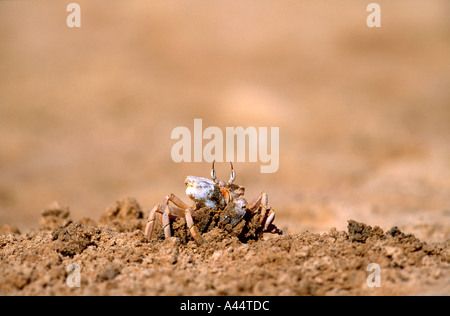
[
  {"x": 115, "y": 258},
  {"x": 86, "y": 117}
]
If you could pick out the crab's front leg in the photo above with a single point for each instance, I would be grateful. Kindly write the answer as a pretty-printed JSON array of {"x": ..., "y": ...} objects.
[{"x": 267, "y": 213}]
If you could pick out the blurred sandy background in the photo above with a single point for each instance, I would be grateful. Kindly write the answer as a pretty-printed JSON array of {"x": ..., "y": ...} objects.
[{"x": 364, "y": 114}]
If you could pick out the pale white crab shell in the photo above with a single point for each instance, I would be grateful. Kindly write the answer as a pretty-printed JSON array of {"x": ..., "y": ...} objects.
[{"x": 203, "y": 192}]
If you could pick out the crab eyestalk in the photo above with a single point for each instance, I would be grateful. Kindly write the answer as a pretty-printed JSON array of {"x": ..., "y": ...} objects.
[
  {"x": 232, "y": 174},
  {"x": 213, "y": 173}
]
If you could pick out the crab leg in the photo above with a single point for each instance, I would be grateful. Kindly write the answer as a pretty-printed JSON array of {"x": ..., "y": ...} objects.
[
  {"x": 274, "y": 230},
  {"x": 151, "y": 222},
  {"x": 264, "y": 208},
  {"x": 269, "y": 220},
  {"x": 271, "y": 228},
  {"x": 192, "y": 228},
  {"x": 173, "y": 212},
  {"x": 267, "y": 213},
  {"x": 175, "y": 200},
  {"x": 166, "y": 223},
  {"x": 261, "y": 200},
  {"x": 254, "y": 204}
]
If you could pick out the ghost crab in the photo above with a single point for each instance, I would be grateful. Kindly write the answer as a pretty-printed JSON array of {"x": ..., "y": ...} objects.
[{"x": 213, "y": 194}]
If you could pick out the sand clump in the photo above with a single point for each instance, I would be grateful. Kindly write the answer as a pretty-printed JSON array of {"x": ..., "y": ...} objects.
[{"x": 115, "y": 258}]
